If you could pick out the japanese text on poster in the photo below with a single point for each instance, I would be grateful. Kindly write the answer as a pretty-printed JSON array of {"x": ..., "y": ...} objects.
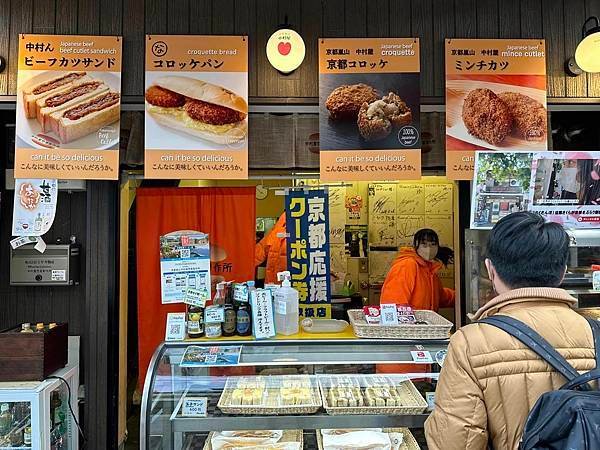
[
  {"x": 307, "y": 223},
  {"x": 184, "y": 265},
  {"x": 196, "y": 97},
  {"x": 34, "y": 206},
  {"x": 68, "y": 107},
  {"x": 495, "y": 99},
  {"x": 369, "y": 109}
]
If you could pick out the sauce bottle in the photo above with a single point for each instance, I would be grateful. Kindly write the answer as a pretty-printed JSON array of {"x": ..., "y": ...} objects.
[
  {"x": 229, "y": 325},
  {"x": 195, "y": 322}
]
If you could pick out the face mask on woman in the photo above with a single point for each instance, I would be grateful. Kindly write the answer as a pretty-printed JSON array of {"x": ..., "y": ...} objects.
[{"x": 427, "y": 251}]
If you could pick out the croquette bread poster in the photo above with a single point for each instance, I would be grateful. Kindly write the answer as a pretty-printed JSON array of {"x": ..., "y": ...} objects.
[
  {"x": 196, "y": 98},
  {"x": 495, "y": 100},
  {"x": 369, "y": 112},
  {"x": 68, "y": 107}
]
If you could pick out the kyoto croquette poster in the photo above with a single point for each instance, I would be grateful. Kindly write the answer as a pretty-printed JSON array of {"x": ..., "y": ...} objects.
[
  {"x": 68, "y": 107},
  {"x": 196, "y": 103},
  {"x": 369, "y": 114},
  {"x": 495, "y": 99}
]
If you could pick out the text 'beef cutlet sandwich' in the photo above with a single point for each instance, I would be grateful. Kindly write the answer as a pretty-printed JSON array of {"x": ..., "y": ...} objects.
[
  {"x": 198, "y": 108},
  {"x": 72, "y": 105}
]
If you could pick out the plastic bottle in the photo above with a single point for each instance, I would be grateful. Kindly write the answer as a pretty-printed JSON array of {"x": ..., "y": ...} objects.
[{"x": 286, "y": 306}]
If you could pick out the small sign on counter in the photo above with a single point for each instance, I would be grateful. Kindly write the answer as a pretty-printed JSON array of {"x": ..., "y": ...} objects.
[
  {"x": 175, "y": 330},
  {"x": 263, "y": 320},
  {"x": 195, "y": 407}
]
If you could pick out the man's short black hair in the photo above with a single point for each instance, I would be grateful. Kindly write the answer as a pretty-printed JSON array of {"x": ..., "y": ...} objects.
[{"x": 527, "y": 251}]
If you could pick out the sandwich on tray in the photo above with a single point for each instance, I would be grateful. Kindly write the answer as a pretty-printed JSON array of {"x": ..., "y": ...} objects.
[{"x": 198, "y": 108}]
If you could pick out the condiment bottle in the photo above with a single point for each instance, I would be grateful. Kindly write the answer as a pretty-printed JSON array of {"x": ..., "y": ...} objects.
[
  {"x": 211, "y": 329},
  {"x": 195, "y": 322},
  {"x": 229, "y": 325},
  {"x": 243, "y": 325},
  {"x": 26, "y": 328},
  {"x": 27, "y": 436},
  {"x": 39, "y": 328}
]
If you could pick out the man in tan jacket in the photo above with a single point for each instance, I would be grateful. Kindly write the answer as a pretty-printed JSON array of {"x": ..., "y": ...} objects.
[{"x": 490, "y": 381}]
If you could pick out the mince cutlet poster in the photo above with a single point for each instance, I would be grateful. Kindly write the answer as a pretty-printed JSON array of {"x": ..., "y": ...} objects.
[
  {"x": 495, "y": 99},
  {"x": 196, "y": 104},
  {"x": 369, "y": 114}
]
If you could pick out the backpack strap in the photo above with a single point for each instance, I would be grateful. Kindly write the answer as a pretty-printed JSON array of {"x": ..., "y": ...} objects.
[
  {"x": 592, "y": 374},
  {"x": 535, "y": 342}
]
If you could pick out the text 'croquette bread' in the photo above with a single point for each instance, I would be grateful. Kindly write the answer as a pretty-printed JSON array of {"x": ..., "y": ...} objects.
[
  {"x": 529, "y": 116},
  {"x": 345, "y": 102},
  {"x": 486, "y": 116}
]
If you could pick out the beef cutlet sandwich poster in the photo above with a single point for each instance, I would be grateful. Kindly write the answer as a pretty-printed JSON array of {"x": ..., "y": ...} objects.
[
  {"x": 369, "y": 93},
  {"x": 495, "y": 99},
  {"x": 196, "y": 99},
  {"x": 68, "y": 107}
]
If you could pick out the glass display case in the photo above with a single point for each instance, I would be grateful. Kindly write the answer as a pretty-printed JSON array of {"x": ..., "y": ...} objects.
[
  {"x": 36, "y": 415},
  {"x": 291, "y": 394},
  {"x": 583, "y": 253}
]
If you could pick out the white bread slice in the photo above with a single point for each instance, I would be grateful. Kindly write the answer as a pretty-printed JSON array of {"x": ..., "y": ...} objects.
[
  {"x": 30, "y": 97},
  {"x": 70, "y": 130},
  {"x": 44, "y": 112}
]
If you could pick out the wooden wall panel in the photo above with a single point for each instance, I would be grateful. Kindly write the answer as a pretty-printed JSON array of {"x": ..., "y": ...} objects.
[
  {"x": 422, "y": 26},
  {"x": 531, "y": 19},
  {"x": 155, "y": 19},
  {"x": 509, "y": 25},
  {"x": 465, "y": 13},
  {"x": 66, "y": 17},
  {"x": 310, "y": 26},
  {"x": 575, "y": 86},
  {"x": 333, "y": 12},
  {"x": 222, "y": 17},
  {"x": 245, "y": 24},
  {"x": 5, "y": 45},
  {"x": 21, "y": 21},
  {"x": 44, "y": 17},
  {"x": 355, "y": 12},
  {"x": 267, "y": 21},
  {"x": 178, "y": 16},
  {"x": 201, "y": 16},
  {"x": 443, "y": 25},
  {"x": 378, "y": 18},
  {"x": 553, "y": 25},
  {"x": 592, "y": 8},
  {"x": 132, "y": 78},
  {"x": 487, "y": 18},
  {"x": 401, "y": 21},
  {"x": 88, "y": 16}
]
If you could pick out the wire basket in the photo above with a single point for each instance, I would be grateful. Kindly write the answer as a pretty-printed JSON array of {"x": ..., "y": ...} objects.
[
  {"x": 436, "y": 327},
  {"x": 408, "y": 440}
]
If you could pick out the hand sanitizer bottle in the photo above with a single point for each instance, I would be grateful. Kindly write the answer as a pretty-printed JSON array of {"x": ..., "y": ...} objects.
[{"x": 286, "y": 306}]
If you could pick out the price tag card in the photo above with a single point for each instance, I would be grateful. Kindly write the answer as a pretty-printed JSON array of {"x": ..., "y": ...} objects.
[
  {"x": 214, "y": 315},
  {"x": 389, "y": 315},
  {"x": 175, "y": 330},
  {"x": 421, "y": 356},
  {"x": 195, "y": 297},
  {"x": 240, "y": 293},
  {"x": 195, "y": 407}
]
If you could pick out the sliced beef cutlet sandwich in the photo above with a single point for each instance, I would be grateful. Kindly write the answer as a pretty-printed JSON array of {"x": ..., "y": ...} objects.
[
  {"x": 529, "y": 116},
  {"x": 486, "y": 116}
]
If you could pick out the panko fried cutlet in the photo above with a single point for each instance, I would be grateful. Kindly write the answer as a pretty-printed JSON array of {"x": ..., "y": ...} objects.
[
  {"x": 486, "y": 116},
  {"x": 376, "y": 120},
  {"x": 345, "y": 101},
  {"x": 529, "y": 116}
]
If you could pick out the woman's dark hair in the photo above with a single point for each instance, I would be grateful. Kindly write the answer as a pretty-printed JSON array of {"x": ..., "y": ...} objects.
[
  {"x": 445, "y": 254},
  {"x": 527, "y": 251}
]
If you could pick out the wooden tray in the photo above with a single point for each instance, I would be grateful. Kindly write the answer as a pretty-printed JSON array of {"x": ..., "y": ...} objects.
[
  {"x": 288, "y": 436},
  {"x": 227, "y": 407},
  {"x": 408, "y": 442}
]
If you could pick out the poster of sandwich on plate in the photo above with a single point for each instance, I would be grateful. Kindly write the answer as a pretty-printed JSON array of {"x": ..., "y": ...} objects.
[
  {"x": 196, "y": 102},
  {"x": 369, "y": 113},
  {"x": 495, "y": 100},
  {"x": 68, "y": 107}
]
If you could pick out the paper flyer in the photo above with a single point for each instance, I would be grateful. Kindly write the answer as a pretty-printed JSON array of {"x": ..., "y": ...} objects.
[
  {"x": 68, "y": 107},
  {"x": 369, "y": 109},
  {"x": 565, "y": 188},
  {"x": 184, "y": 264},
  {"x": 34, "y": 206},
  {"x": 495, "y": 99},
  {"x": 501, "y": 186},
  {"x": 196, "y": 97},
  {"x": 198, "y": 356}
]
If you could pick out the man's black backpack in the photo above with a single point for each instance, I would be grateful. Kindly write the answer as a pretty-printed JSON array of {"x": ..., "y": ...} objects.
[{"x": 567, "y": 419}]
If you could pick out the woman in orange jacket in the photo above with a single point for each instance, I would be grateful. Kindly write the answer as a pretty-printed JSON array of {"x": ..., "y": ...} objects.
[
  {"x": 272, "y": 248},
  {"x": 413, "y": 278}
]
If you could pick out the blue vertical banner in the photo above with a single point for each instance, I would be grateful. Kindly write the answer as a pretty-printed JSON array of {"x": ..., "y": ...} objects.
[{"x": 307, "y": 226}]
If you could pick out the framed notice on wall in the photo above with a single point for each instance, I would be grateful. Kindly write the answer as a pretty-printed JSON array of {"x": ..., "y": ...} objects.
[
  {"x": 68, "y": 107},
  {"x": 196, "y": 97},
  {"x": 369, "y": 116},
  {"x": 495, "y": 100}
]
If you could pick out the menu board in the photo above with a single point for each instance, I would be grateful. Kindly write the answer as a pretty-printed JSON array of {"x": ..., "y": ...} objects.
[
  {"x": 369, "y": 109},
  {"x": 495, "y": 99},
  {"x": 68, "y": 107},
  {"x": 308, "y": 253},
  {"x": 196, "y": 97}
]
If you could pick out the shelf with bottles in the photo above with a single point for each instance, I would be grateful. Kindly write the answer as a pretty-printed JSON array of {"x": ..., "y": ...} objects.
[{"x": 15, "y": 425}]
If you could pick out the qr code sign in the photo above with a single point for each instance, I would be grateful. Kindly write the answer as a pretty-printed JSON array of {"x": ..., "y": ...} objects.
[
  {"x": 175, "y": 329},
  {"x": 388, "y": 316}
]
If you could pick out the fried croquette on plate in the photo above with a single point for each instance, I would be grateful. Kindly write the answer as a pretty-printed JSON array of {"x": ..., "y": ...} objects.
[
  {"x": 345, "y": 101},
  {"x": 529, "y": 116},
  {"x": 486, "y": 116},
  {"x": 158, "y": 96},
  {"x": 212, "y": 114}
]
